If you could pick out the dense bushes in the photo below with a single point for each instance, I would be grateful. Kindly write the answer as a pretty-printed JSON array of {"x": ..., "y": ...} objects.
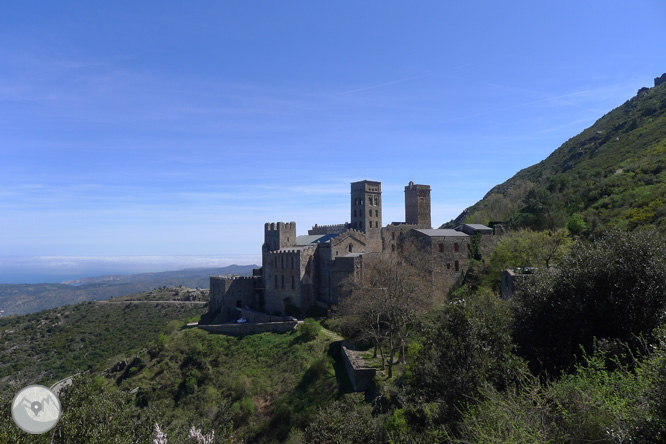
[{"x": 613, "y": 289}]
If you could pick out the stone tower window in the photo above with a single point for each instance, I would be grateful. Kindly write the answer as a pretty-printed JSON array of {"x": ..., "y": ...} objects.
[
  {"x": 376, "y": 200},
  {"x": 276, "y": 264},
  {"x": 293, "y": 283},
  {"x": 441, "y": 248},
  {"x": 292, "y": 262},
  {"x": 370, "y": 213},
  {"x": 376, "y": 213},
  {"x": 283, "y": 281},
  {"x": 350, "y": 247},
  {"x": 457, "y": 266},
  {"x": 455, "y": 248},
  {"x": 276, "y": 284}
]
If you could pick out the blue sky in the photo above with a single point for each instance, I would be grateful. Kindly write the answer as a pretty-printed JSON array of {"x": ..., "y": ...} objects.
[{"x": 177, "y": 128}]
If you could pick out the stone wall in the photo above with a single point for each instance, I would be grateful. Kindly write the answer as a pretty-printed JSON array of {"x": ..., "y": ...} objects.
[
  {"x": 250, "y": 329},
  {"x": 443, "y": 258},
  {"x": 417, "y": 205},
  {"x": 228, "y": 293},
  {"x": 361, "y": 376},
  {"x": 328, "y": 229},
  {"x": 288, "y": 278}
]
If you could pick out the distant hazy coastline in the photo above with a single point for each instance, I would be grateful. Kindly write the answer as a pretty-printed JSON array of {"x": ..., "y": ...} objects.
[{"x": 57, "y": 269}]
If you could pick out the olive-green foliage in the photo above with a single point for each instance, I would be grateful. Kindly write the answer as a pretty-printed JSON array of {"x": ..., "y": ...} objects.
[
  {"x": 267, "y": 384},
  {"x": 52, "y": 344},
  {"x": 309, "y": 329},
  {"x": 348, "y": 421},
  {"x": 463, "y": 345},
  {"x": 613, "y": 289},
  {"x": 89, "y": 415},
  {"x": 612, "y": 175},
  {"x": 100, "y": 416},
  {"x": 526, "y": 248},
  {"x": 593, "y": 404}
]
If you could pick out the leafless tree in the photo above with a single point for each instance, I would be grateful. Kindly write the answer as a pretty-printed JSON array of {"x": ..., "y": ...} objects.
[{"x": 385, "y": 302}]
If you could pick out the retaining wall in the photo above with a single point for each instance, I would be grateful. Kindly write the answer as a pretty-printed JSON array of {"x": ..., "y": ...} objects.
[
  {"x": 361, "y": 377},
  {"x": 250, "y": 328}
]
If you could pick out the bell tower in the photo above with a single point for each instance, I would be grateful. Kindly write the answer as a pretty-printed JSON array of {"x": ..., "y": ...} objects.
[
  {"x": 366, "y": 210},
  {"x": 417, "y": 205}
]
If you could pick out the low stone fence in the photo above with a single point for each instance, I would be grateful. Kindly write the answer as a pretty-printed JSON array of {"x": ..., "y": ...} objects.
[
  {"x": 361, "y": 376},
  {"x": 257, "y": 316},
  {"x": 250, "y": 328}
]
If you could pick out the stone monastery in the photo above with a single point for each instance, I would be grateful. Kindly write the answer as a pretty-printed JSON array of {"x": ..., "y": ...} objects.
[{"x": 302, "y": 272}]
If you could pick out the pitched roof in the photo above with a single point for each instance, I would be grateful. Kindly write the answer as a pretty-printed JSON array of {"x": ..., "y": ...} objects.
[
  {"x": 439, "y": 232},
  {"x": 314, "y": 238}
]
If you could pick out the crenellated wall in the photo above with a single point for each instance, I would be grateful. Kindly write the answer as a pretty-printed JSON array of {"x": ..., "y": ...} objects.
[
  {"x": 228, "y": 293},
  {"x": 328, "y": 229}
]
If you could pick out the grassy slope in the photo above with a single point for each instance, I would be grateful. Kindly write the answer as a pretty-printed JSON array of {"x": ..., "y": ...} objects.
[
  {"x": 613, "y": 174},
  {"x": 266, "y": 384},
  {"x": 46, "y": 346}
]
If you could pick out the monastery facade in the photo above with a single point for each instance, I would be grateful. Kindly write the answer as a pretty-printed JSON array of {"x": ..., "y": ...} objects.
[{"x": 302, "y": 272}]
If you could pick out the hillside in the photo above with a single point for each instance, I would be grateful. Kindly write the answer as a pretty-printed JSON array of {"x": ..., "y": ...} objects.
[
  {"x": 613, "y": 174},
  {"x": 29, "y": 298},
  {"x": 138, "y": 349},
  {"x": 52, "y": 344}
]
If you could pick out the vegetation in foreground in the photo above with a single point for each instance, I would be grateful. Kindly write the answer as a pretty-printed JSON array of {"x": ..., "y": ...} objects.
[{"x": 41, "y": 348}]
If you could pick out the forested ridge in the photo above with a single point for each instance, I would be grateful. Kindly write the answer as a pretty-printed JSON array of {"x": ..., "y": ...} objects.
[{"x": 612, "y": 175}]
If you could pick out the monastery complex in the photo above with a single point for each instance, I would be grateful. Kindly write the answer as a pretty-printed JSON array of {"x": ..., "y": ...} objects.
[{"x": 306, "y": 271}]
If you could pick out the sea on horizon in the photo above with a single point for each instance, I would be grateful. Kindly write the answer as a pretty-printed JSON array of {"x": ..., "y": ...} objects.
[{"x": 57, "y": 269}]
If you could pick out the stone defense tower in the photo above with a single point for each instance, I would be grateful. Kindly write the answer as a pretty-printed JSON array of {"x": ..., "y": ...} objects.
[
  {"x": 366, "y": 211},
  {"x": 279, "y": 235},
  {"x": 417, "y": 205}
]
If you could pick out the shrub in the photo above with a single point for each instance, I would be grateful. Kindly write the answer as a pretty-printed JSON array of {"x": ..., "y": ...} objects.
[{"x": 309, "y": 329}]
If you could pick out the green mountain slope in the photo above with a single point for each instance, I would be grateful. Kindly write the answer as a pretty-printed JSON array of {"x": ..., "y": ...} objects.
[
  {"x": 41, "y": 348},
  {"x": 613, "y": 174}
]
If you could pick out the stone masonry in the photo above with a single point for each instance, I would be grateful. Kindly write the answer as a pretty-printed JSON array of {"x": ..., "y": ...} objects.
[{"x": 299, "y": 273}]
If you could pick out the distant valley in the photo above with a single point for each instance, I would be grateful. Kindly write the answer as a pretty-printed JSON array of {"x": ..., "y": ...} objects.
[{"x": 18, "y": 299}]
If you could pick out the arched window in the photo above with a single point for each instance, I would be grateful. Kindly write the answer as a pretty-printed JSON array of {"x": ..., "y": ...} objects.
[{"x": 376, "y": 213}]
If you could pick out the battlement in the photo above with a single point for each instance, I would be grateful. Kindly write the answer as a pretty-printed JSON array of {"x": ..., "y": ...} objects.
[
  {"x": 287, "y": 252},
  {"x": 233, "y": 278},
  {"x": 279, "y": 235},
  {"x": 328, "y": 229},
  {"x": 277, "y": 226}
]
